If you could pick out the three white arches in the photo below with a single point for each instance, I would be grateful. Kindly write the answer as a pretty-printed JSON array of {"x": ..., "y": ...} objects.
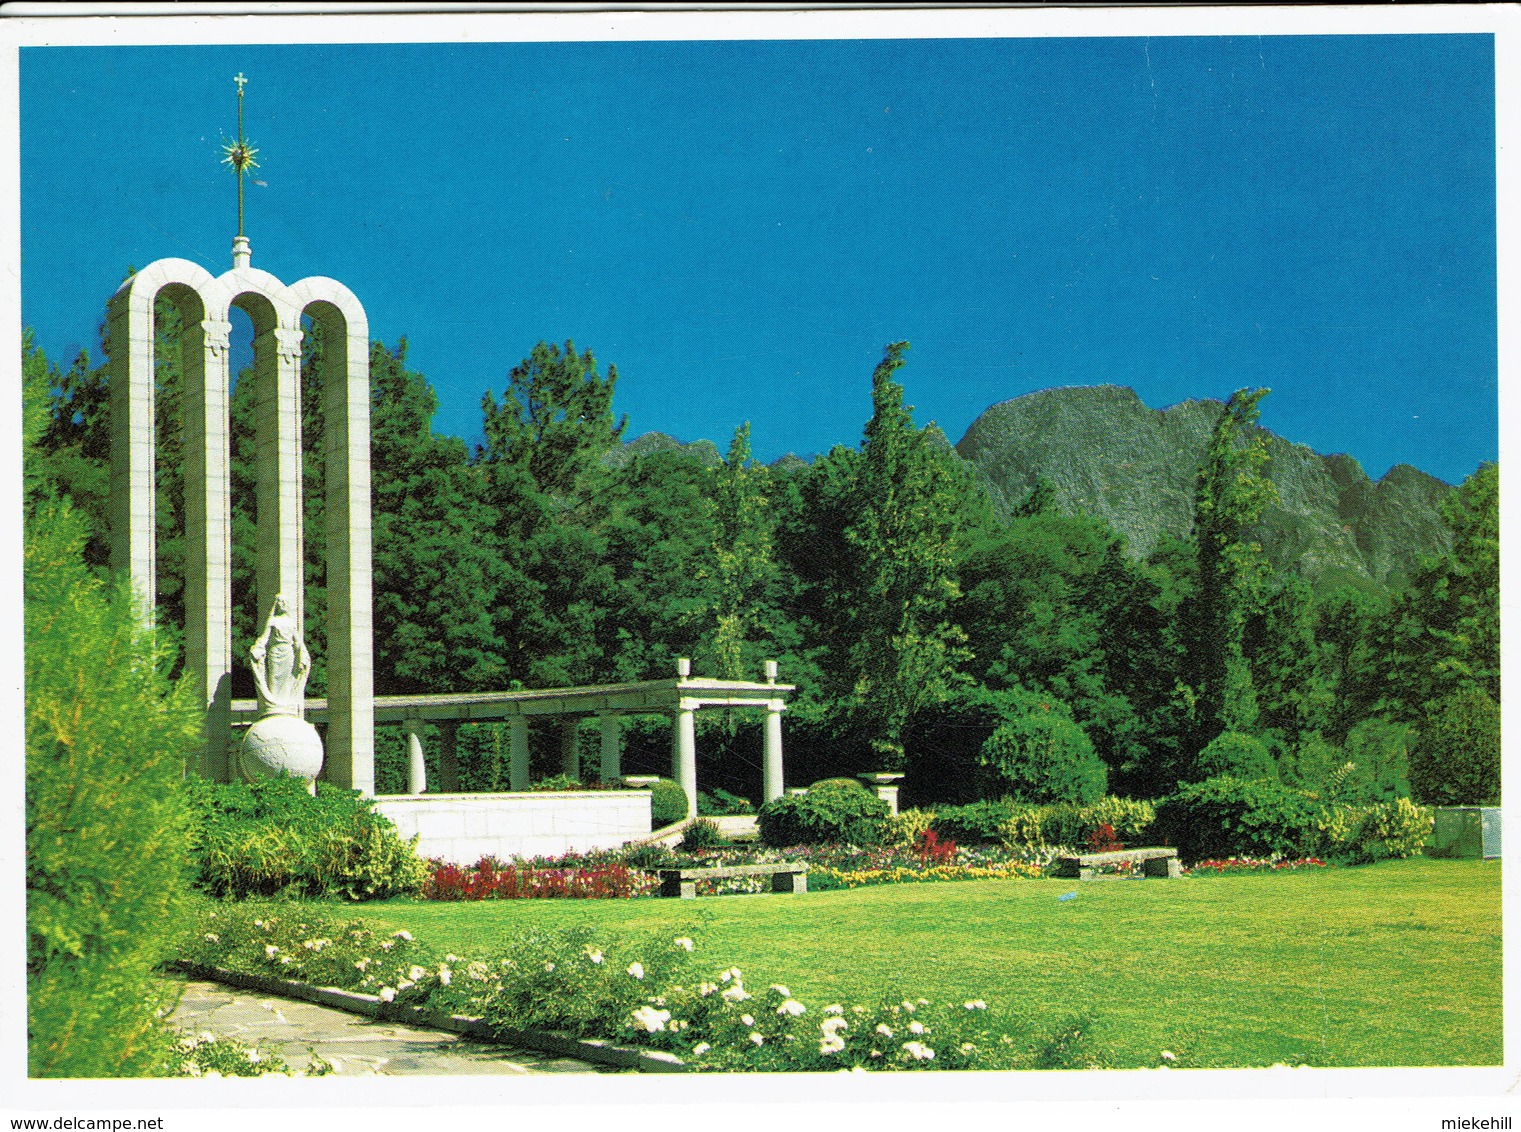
[{"x": 276, "y": 310}]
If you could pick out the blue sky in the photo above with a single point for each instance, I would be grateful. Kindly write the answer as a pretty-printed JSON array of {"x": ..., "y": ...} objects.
[{"x": 742, "y": 226}]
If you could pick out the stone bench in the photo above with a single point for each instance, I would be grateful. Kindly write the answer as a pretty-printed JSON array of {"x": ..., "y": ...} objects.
[
  {"x": 683, "y": 882},
  {"x": 1154, "y": 863}
]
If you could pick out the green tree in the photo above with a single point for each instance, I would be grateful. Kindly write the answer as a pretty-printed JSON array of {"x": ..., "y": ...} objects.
[
  {"x": 555, "y": 420},
  {"x": 1230, "y": 494},
  {"x": 1456, "y": 758},
  {"x": 440, "y": 572},
  {"x": 742, "y": 567},
  {"x": 1041, "y": 601},
  {"x": 1291, "y": 669},
  {"x": 107, "y": 828},
  {"x": 883, "y": 530},
  {"x": 542, "y": 473},
  {"x": 1443, "y": 635}
]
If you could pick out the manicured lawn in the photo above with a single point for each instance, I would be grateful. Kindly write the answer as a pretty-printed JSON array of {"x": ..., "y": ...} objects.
[{"x": 1389, "y": 964}]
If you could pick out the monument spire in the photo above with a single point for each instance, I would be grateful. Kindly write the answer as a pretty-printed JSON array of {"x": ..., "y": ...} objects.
[{"x": 240, "y": 155}]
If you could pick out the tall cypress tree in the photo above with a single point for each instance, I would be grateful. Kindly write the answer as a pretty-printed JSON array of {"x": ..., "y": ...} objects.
[
  {"x": 1231, "y": 493},
  {"x": 903, "y": 538}
]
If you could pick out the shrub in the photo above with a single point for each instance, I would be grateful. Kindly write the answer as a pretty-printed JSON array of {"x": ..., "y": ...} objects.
[
  {"x": 842, "y": 783},
  {"x": 1235, "y": 755},
  {"x": 1041, "y": 755},
  {"x": 980, "y": 823},
  {"x": 107, "y": 827},
  {"x": 702, "y": 834},
  {"x": 650, "y": 855},
  {"x": 1456, "y": 758},
  {"x": 904, "y": 827},
  {"x": 1226, "y": 817},
  {"x": 1036, "y": 827},
  {"x": 829, "y": 812},
  {"x": 1103, "y": 840},
  {"x": 271, "y": 836},
  {"x": 556, "y": 782},
  {"x": 1024, "y": 829},
  {"x": 1392, "y": 829},
  {"x": 1072, "y": 825},
  {"x": 668, "y": 803}
]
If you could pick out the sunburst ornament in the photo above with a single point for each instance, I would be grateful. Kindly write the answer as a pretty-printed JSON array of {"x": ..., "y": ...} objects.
[{"x": 240, "y": 155}]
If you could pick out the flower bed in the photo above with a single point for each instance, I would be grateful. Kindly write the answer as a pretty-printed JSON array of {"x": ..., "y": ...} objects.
[
  {"x": 634, "y": 873},
  {"x": 645, "y": 992},
  {"x": 1252, "y": 865},
  {"x": 492, "y": 880}
]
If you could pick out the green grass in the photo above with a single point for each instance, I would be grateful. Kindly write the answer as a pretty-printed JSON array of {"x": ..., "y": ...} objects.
[{"x": 1391, "y": 964}]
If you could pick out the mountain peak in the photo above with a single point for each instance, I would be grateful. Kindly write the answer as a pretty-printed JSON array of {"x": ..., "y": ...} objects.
[{"x": 1106, "y": 453}]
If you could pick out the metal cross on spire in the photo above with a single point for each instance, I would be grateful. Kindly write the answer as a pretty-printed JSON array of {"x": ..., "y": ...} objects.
[{"x": 239, "y": 154}]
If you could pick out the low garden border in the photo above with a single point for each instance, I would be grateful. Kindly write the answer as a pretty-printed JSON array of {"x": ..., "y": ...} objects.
[{"x": 594, "y": 1050}]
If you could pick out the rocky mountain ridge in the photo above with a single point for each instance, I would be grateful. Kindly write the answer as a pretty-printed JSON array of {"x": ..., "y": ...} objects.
[{"x": 1105, "y": 453}]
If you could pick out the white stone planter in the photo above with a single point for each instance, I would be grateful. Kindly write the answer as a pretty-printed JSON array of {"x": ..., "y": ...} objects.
[{"x": 885, "y": 783}]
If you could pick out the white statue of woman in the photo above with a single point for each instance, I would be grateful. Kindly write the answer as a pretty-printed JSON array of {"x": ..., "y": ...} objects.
[
  {"x": 280, "y": 741},
  {"x": 280, "y": 663}
]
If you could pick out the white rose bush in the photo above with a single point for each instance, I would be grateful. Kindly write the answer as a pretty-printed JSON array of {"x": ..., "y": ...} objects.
[{"x": 650, "y": 991}]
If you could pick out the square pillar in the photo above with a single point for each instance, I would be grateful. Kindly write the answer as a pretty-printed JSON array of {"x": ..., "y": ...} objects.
[
  {"x": 346, "y": 508},
  {"x": 612, "y": 750},
  {"x": 517, "y": 747},
  {"x": 278, "y": 566},
  {"x": 129, "y": 337},
  {"x": 208, "y": 537},
  {"x": 570, "y": 747}
]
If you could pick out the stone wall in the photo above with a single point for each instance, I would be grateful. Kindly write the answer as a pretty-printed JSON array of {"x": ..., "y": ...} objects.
[{"x": 463, "y": 828}]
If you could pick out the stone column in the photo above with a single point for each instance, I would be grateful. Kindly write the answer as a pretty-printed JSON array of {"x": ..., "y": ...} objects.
[
  {"x": 417, "y": 768},
  {"x": 612, "y": 750},
  {"x": 771, "y": 762},
  {"x": 208, "y": 537},
  {"x": 346, "y": 506},
  {"x": 277, "y": 469},
  {"x": 448, "y": 756},
  {"x": 570, "y": 747},
  {"x": 684, "y": 752},
  {"x": 129, "y": 334},
  {"x": 517, "y": 735}
]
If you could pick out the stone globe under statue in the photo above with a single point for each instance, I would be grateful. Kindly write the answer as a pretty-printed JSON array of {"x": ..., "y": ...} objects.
[{"x": 280, "y": 739}]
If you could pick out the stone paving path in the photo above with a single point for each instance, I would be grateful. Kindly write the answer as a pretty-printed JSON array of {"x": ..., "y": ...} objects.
[{"x": 352, "y": 1044}]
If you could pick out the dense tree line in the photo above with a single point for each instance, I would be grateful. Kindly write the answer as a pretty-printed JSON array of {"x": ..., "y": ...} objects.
[{"x": 914, "y": 621}]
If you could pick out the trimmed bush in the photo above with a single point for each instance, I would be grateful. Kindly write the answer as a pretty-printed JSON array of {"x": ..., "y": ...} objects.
[
  {"x": 668, "y": 803},
  {"x": 271, "y": 836},
  {"x": 702, "y": 834},
  {"x": 1041, "y": 756},
  {"x": 980, "y": 823},
  {"x": 107, "y": 827},
  {"x": 1225, "y": 817},
  {"x": 1456, "y": 758},
  {"x": 1037, "y": 827},
  {"x": 1392, "y": 829},
  {"x": 828, "y": 813},
  {"x": 906, "y": 827},
  {"x": 1232, "y": 754},
  {"x": 1070, "y": 825}
]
